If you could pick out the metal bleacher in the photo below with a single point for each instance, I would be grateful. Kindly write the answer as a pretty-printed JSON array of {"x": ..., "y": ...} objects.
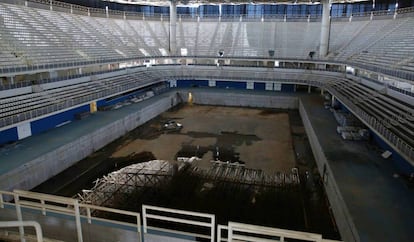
[
  {"x": 18, "y": 108},
  {"x": 33, "y": 36},
  {"x": 384, "y": 43}
]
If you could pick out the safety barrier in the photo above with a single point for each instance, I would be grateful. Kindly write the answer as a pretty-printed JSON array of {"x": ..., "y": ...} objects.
[
  {"x": 36, "y": 225},
  {"x": 52, "y": 205},
  {"x": 196, "y": 219},
  {"x": 56, "y": 206},
  {"x": 247, "y": 232}
]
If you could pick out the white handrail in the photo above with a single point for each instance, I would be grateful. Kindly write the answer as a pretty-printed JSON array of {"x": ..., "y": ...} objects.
[
  {"x": 36, "y": 225},
  {"x": 146, "y": 214}
]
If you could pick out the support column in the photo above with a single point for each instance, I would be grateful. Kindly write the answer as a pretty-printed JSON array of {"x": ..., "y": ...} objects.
[
  {"x": 173, "y": 24},
  {"x": 333, "y": 101},
  {"x": 11, "y": 80},
  {"x": 309, "y": 89},
  {"x": 325, "y": 28}
]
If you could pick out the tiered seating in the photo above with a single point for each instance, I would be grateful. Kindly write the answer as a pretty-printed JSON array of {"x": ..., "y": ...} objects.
[
  {"x": 342, "y": 33},
  {"x": 35, "y": 40},
  {"x": 395, "y": 116},
  {"x": 288, "y": 40},
  {"x": 30, "y": 36},
  {"x": 18, "y": 108},
  {"x": 387, "y": 43}
]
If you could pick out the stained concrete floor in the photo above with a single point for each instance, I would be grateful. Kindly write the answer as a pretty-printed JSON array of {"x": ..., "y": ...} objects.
[{"x": 261, "y": 139}]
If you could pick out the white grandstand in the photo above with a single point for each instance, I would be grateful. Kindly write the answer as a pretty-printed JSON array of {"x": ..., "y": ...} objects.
[{"x": 58, "y": 58}]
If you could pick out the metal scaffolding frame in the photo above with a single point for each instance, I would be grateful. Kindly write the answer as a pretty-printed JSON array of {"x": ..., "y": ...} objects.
[
  {"x": 238, "y": 173},
  {"x": 127, "y": 180}
]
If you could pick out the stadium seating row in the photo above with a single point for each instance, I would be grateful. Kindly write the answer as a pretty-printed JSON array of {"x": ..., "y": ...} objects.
[
  {"x": 22, "y": 107},
  {"x": 31, "y": 36}
]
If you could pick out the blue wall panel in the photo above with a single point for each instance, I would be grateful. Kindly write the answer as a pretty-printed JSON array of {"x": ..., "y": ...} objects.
[
  {"x": 259, "y": 86},
  {"x": 50, "y": 122},
  {"x": 230, "y": 84},
  {"x": 192, "y": 83},
  {"x": 8, "y": 135},
  {"x": 288, "y": 87},
  {"x": 101, "y": 103},
  {"x": 401, "y": 164}
]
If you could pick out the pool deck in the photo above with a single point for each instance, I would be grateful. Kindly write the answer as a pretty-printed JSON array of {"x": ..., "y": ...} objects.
[{"x": 381, "y": 205}]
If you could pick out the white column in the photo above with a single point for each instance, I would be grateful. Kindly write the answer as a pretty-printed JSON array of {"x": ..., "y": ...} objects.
[
  {"x": 325, "y": 28},
  {"x": 173, "y": 24}
]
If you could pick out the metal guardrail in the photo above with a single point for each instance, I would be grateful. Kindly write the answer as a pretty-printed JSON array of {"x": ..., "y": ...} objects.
[
  {"x": 78, "y": 9},
  {"x": 50, "y": 205},
  {"x": 172, "y": 217},
  {"x": 247, "y": 232},
  {"x": 47, "y": 203},
  {"x": 64, "y": 206},
  {"x": 377, "y": 125},
  {"x": 20, "y": 224}
]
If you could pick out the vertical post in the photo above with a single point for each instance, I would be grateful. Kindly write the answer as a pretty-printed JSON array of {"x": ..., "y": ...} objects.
[
  {"x": 1, "y": 201},
  {"x": 43, "y": 207},
  {"x": 78, "y": 221},
  {"x": 396, "y": 10},
  {"x": 144, "y": 218},
  {"x": 50, "y": 5},
  {"x": 309, "y": 89},
  {"x": 229, "y": 232},
  {"x": 139, "y": 228},
  {"x": 213, "y": 226},
  {"x": 333, "y": 101},
  {"x": 106, "y": 11},
  {"x": 173, "y": 24},
  {"x": 19, "y": 217},
  {"x": 325, "y": 28},
  {"x": 88, "y": 214}
]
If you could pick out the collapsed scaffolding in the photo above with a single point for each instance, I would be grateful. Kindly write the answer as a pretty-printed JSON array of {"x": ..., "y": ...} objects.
[
  {"x": 128, "y": 180},
  {"x": 238, "y": 173}
]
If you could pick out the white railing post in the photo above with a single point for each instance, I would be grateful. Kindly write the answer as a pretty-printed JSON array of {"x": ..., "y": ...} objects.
[
  {"x": 213, "y": 226},
  {"x": 229, "y": 232},
  {"x": 19, "y": 217},
  {"x": 36, "y": 225},
  {"x": 1, "y": 201},
  {"x": 144, "y": 219},
  {"x": 78, "y": 221},
  {"x": 139, "y": 228},
  {"x": 88, "y": 214},
  {"x": 43, "y": 207}
]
